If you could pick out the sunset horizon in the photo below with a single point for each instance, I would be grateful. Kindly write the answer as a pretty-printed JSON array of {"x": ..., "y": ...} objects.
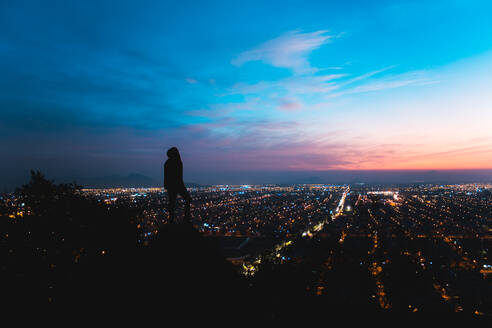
[{"x": 329, "y": 86}]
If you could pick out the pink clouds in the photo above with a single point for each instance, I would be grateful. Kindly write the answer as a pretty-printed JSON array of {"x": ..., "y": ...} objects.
[
  {"x": 442, "y": 126},
  {"x": 290, "y": 105},
  {"x": 282, "y": 146}
]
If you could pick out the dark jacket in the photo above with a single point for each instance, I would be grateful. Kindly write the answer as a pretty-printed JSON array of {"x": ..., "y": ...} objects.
[{"x": 173, "y": 174}]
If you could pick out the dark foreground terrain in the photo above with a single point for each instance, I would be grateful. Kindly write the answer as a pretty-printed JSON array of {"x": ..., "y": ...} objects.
[{"x": 70, "y": 257}]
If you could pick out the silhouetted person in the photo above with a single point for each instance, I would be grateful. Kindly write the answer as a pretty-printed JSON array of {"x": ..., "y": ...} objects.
[{"x": 173, "y": 183}]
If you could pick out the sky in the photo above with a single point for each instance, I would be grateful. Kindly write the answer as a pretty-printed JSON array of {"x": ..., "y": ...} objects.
[{"x": 98, "y": 88}]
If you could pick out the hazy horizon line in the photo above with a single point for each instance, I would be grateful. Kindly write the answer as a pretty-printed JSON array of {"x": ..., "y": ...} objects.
[{"x": 335, "y": 176}]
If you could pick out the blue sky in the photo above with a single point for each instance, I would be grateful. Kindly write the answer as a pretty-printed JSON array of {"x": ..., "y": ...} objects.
[{"x": 95, "y": 88}]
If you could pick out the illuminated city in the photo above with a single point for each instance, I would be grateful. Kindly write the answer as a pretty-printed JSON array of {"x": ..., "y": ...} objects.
[{"x": 417, "y": 247}]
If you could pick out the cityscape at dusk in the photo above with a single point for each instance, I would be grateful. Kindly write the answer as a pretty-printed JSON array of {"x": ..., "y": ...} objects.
[
  {"x": 259, "y": 162},
  {"x": 420, "y": 249}
]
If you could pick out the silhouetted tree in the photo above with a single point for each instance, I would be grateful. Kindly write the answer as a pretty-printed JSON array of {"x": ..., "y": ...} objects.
[{"x": 42, "y": 195}]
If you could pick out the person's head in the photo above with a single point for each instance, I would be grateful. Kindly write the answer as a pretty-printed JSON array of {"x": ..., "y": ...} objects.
[{"x": 173, "y": 153}]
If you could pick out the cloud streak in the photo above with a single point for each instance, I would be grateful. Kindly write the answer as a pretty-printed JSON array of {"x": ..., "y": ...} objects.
[{"x": 290, "y": 50}]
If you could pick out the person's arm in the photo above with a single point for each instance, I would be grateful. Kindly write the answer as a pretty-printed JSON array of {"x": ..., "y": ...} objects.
[
  {"x": 180, "y": 173},
  {"x": 166, "y": 169}
]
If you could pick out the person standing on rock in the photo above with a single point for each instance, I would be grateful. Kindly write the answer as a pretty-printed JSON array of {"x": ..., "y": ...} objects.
[{"x": 173, "y": 183}]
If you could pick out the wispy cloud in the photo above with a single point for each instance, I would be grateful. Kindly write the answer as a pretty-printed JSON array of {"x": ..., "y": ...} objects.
[
  {"x": 413, "y": 78},
  {"x": 293, "y": 85},
  {"x": 191, "y": 80},
  {"x": 318, "y": 89},
  {"x": 290, "y": 105},
  {"x": 290, "y": 50},
  {"x": 366, "y": 75}
]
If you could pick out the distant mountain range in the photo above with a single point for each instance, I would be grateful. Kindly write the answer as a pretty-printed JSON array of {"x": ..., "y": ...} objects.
[
  {"x": 335, "y": 176},
  {"x": 382, "y": 176},
  {"x": 130, "y": 180},
  {"x": 274, "y": 177},
  {"x": 134, "y": 180}
]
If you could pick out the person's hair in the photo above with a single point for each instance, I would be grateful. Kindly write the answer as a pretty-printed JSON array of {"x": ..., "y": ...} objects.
[{"x": 173, "y": 152}]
